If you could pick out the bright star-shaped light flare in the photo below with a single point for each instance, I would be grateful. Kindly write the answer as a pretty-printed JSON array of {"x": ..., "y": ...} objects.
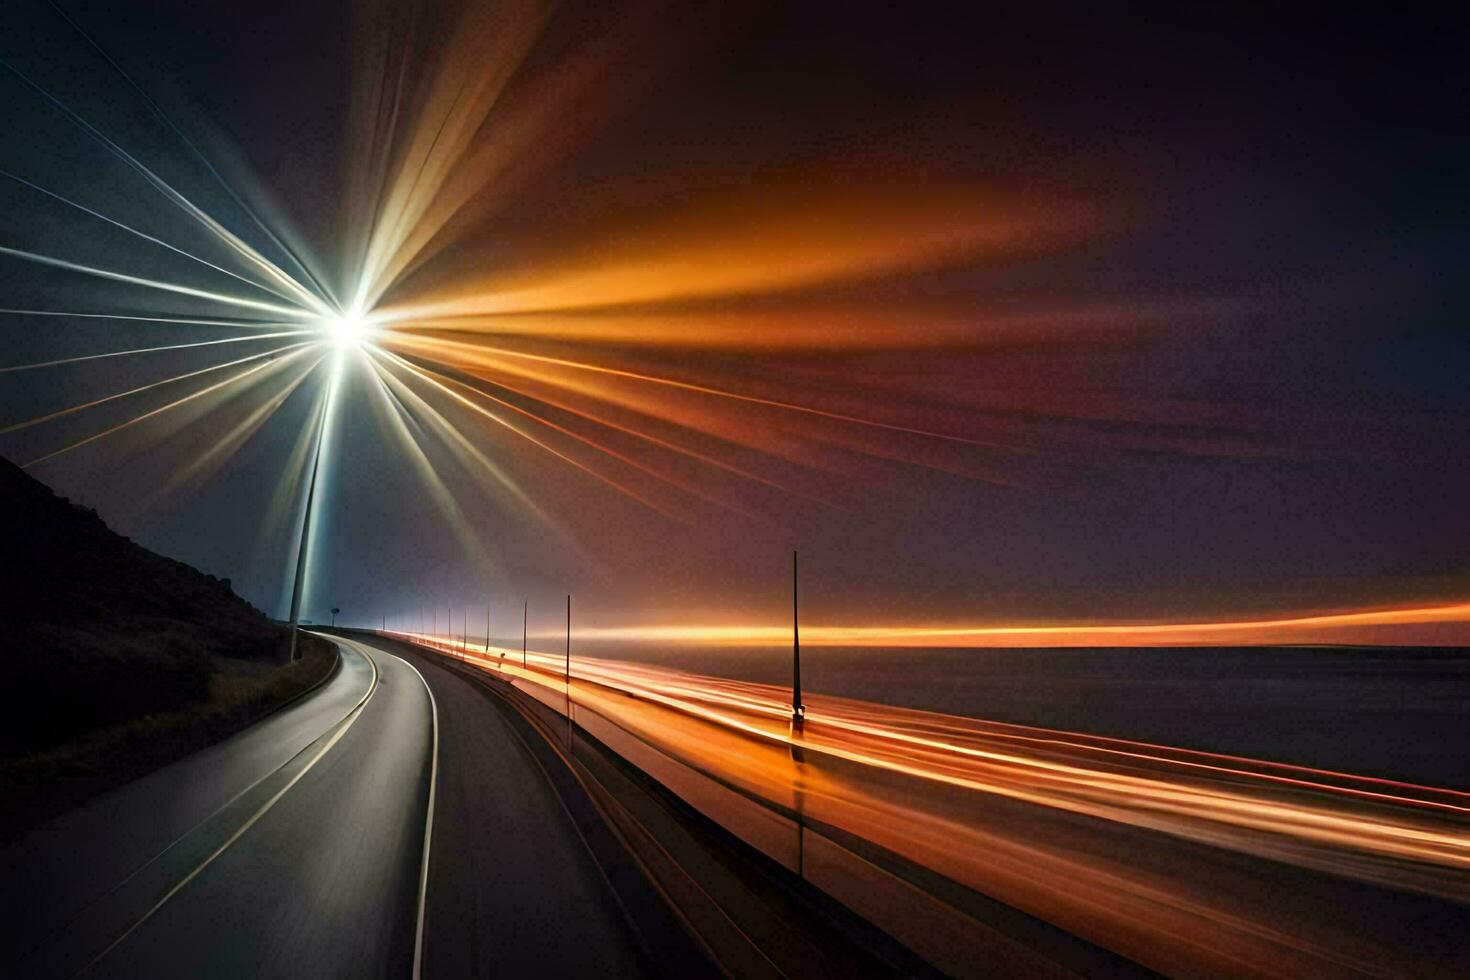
[{"x": 346, "y": 329}]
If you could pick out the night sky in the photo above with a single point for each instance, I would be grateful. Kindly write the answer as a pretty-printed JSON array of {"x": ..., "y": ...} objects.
[{"x": 1143, "y": 314}]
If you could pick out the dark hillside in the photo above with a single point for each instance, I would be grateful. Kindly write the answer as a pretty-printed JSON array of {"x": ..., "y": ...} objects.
[{"x": 102, "y": 636}]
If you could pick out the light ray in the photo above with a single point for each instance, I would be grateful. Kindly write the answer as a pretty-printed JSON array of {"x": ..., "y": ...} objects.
[
  {"x": 461, "y": 90},
  {"x": 599, "y": 447},
  {"x": 155, "y": 412},
  {"x": 242, "y": 248},
  {"x": 150, "y": 350},
  {"x": 655, "y": 440},
  {"x": 471, "y": 350},
  {"x": 474, "y": 407},
  {"x": 578, "y": 437},
  {"x": 209, "y": 461},
  {"x": 443, "y": 498},
  {"x": 195, "y": 151},
  {"x": 156, "y": 284},
  {"x": 141, "y": 234},
  {"x": 17, "y": 426},
  {"x": 452, "y": 437},
  {"x": 190, "y": 321}
]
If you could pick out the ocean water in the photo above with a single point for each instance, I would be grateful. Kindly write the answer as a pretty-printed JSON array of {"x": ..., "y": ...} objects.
[{"x": 1398, "y": 713}]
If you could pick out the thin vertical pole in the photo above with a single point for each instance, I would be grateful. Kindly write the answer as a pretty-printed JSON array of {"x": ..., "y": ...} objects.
[
  {"x": 798, "y": 710},
  {"x": 302, "y": 551},
  {"x": 525, "y": 607},
  {"x": 487, "y": 627},
  {"x": 569, "y": 672}
]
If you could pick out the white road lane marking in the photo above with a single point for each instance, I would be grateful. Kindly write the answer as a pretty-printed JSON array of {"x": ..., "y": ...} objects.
[
  {"x": 418, "y": 942},
  {"x": 347, "y": 724}
]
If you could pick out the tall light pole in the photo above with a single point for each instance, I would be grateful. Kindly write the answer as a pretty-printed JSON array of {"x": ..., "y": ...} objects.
[
  {"x": 525, "y": 609},
  {"x": 301, "y": 550}
]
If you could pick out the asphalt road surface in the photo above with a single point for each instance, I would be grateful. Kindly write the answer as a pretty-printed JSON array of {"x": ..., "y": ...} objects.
[
  {"x": 371, "y": 829},
  {"x": 294, "y": 848},
  {"x": 513, "y": 888}
]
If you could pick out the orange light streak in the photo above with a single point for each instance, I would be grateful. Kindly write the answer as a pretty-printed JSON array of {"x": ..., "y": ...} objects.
[
  {"x": 648, "y": 437},
  {"x": 1289, "y": 629},
  {"x": 471, "y": 351},
  {"x": 1081, "y": 875},
  {"x": 427, "y": 378}
]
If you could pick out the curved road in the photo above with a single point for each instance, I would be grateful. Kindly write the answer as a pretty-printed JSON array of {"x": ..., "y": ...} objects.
[
  {"x": 308, "y": 845},
  {"x": 294, "y": 848}
]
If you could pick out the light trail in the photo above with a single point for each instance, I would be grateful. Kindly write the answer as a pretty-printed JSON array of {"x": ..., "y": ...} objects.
[
  {"x": 1325, "y": 627},
  {"x": 961, "y": 752},
  {"x": 1065, "y": 825}
]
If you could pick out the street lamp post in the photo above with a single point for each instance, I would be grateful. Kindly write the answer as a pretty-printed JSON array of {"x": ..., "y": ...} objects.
[{"x": 302, "y": 547}]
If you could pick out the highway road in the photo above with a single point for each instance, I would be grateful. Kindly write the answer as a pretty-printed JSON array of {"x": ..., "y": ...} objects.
[
  {"x": 384, "y": 825},
  {"x": 294, "y": 848}
]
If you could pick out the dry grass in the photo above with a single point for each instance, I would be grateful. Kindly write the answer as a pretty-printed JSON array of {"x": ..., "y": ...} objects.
[{"x": 40, "y": 784}]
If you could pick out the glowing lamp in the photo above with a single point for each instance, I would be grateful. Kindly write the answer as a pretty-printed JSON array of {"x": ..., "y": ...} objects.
[{"x": 346, "y": 329}]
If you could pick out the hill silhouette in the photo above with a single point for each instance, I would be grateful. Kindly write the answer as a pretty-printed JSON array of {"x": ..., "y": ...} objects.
[{"x": 113, "y": 650}]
